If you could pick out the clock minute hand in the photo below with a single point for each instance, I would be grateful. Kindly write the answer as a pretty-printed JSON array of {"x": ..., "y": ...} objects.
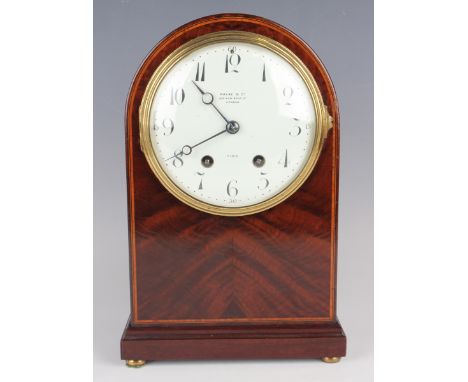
[
  {"x": 187, "y": 150},
  {"x": 207, "y": 139},
  {"x": 207, "y": 99}
]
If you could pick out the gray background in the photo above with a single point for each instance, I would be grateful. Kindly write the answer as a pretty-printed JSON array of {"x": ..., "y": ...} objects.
[{"x": 341, "y": 33}]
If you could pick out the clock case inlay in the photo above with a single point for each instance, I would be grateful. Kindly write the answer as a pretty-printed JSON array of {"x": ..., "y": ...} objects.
[{"x": 206, "y": 286}]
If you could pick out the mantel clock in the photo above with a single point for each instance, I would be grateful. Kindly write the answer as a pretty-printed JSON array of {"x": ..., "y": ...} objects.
[{"x": 232, "y": 167}]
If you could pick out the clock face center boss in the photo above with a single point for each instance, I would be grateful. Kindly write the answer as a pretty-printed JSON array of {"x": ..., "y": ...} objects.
[{"x": 232, "y": 164}]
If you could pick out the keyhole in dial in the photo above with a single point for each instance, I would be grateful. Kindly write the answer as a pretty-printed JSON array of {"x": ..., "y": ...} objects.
[
  {"x": 258, "y": 161},
  {"x": 207, "y": 161}
]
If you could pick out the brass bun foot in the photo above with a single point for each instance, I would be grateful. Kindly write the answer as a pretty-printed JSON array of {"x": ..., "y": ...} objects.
[
  {"x": 331, "y": 359},
  {"x": 135, "y": 362}
]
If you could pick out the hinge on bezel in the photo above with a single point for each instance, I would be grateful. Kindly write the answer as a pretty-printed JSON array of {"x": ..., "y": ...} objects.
[{"x": 327, "y": 120}]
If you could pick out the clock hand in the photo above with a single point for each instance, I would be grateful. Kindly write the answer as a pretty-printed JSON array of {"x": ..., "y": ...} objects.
[
  {"x": 187, "y": 150},
  {"x": 232, "y": 127},
  {"x": 207, "y": 99}
]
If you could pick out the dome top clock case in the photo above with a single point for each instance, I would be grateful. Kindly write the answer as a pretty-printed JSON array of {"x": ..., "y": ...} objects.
[{"x": 232, "y": 169}]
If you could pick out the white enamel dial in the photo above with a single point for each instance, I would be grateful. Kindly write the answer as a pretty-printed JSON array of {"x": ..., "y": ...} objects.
[{"x": 232, "y": 124}]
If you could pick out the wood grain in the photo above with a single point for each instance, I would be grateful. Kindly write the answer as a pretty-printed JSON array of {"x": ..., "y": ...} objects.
[
  {"x": 188, "y": 343},
  {"x": 190, "y": 268}
]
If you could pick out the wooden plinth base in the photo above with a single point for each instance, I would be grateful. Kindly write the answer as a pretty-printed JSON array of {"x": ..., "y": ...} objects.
[{"x": 317, "y": 340}]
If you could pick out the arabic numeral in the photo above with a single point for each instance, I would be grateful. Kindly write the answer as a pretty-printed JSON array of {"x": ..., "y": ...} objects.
[
  {"x": 200, "y": 76},
  {"x": 264, "y": 182},
  {"x": 231, "y": 189},
  {"x": 296, "y": 130},
  {"x": 232, "y": 61},
  {"x": 177, "y": 161},
  {"x": 288, "y": 93},
  {"x": 168, "y": 126},
  {"x": 200, "y": 186},
  {"x": 284, "y": 161},
  {"x": 177, "y": 96}
]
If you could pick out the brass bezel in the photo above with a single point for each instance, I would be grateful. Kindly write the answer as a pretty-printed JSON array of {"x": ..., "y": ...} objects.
[{"x": 324, "y": 120}]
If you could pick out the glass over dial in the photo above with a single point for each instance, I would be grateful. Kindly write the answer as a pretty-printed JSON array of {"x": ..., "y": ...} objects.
[{"x": 232, "y": 124}]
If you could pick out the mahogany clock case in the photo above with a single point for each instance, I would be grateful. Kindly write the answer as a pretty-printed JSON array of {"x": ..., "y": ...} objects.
[{"x": 215, "y": 287}]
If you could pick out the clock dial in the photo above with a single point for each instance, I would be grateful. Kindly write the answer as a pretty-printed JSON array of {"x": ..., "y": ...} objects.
[{"x": 232, "y": 124}]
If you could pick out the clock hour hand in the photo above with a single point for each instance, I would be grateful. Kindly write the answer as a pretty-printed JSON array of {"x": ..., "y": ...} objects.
[{"x": 207, "y": 99}]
